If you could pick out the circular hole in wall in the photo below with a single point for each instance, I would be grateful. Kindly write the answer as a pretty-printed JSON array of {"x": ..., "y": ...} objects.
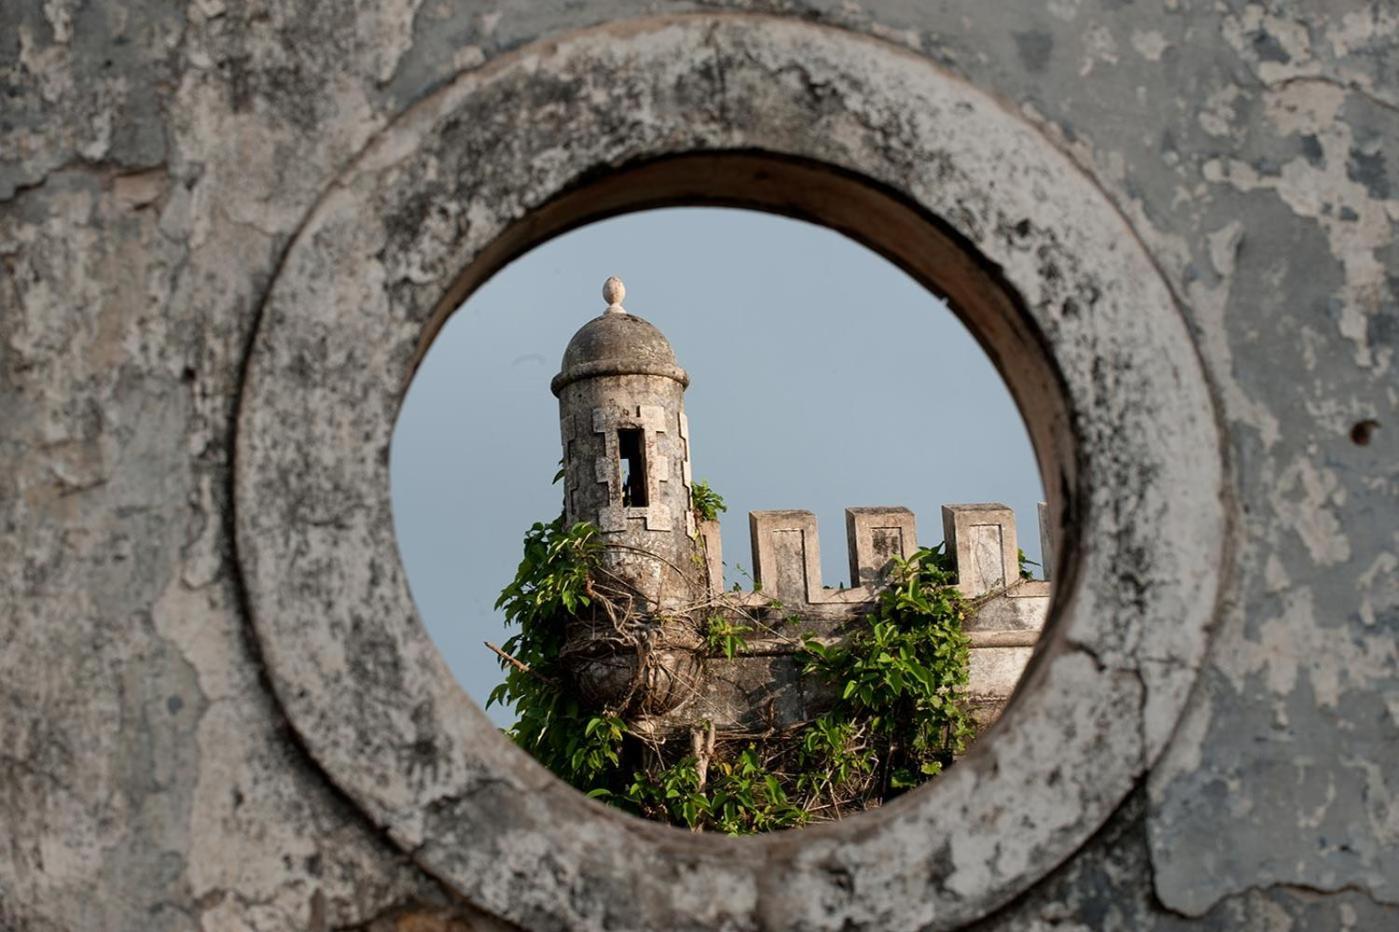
[
  {"x": 911, "y": 161},
  {"x": 821, "y": 377}
]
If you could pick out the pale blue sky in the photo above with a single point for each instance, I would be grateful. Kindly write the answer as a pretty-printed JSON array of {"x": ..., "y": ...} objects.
[{"x": 821, "y": 377}]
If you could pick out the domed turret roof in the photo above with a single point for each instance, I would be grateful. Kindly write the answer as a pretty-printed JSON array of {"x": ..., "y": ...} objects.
[{"x": 617, "y": 343}]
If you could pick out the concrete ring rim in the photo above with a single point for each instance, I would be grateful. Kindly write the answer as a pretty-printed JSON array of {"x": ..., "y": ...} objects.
[{"x": 402, "y": 814}]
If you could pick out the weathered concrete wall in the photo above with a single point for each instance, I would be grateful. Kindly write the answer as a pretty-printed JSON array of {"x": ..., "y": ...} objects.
[{"x": 156, "y": 160}]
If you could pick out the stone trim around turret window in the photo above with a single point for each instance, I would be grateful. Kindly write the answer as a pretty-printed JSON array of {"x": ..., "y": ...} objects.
[{"x": 653, "y": 456}]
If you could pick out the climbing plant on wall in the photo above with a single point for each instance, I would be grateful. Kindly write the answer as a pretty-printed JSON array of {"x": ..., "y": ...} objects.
[{"x": 895, "y": 714}]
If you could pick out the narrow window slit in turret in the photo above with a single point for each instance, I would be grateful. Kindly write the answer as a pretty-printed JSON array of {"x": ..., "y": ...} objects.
[{"x": 631, "y": 448}]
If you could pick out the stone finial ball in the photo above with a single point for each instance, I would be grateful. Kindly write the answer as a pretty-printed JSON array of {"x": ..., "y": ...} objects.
[{"x": 613, "y": 291}]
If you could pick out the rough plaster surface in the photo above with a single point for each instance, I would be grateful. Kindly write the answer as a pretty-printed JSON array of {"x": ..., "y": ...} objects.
[{"x": 156, "y": 161}]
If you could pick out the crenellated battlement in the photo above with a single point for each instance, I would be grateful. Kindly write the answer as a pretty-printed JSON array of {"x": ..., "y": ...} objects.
[
  {"x": 786, "y": 549},
  {"x": 1006, "y": 617}
]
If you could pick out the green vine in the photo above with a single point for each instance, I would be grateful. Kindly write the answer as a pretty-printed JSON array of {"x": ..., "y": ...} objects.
[
  {"x": 902, "y": 675},
  {"x": 706, "y": 502},
  {"x": 896, "y": 717},
  {"x": 738, "y": 795},
  {"x": 725, "y": 636},
  {"x": 552, "y": 585}
]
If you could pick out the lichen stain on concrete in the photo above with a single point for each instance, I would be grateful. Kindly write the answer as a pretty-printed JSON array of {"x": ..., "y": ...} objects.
[{"x": 1035, "y": 49}]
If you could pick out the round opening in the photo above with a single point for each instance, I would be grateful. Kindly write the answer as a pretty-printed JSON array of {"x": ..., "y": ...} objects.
[{"x": 821, "y": 377}]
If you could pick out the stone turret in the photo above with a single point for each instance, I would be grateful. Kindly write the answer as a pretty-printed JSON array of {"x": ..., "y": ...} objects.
[
  {"x": 626, "y": 449},
  {"x": 626, "y": 465}
]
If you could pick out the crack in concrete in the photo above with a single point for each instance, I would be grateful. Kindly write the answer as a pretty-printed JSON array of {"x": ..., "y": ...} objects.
[
  {"x": 1348, "y": 86},
  {"x": 104, "y": 169}
]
